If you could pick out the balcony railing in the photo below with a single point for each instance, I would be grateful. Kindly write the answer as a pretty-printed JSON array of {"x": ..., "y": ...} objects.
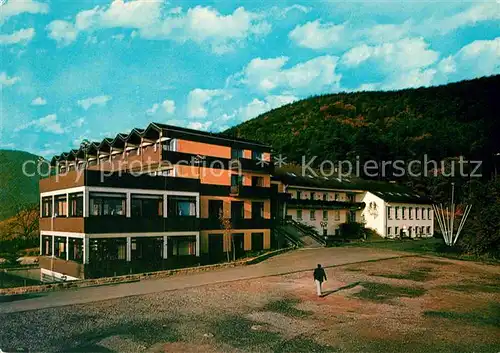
[
  {"x": 322, "y": 204},
  {"x": 250, "y": 191}
]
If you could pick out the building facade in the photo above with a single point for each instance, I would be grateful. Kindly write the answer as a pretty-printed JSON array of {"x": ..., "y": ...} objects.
[
  {"x": 156, "y": 198},
  {"x": 319, "y": 202},
  {"x": 398, "y": 214}
]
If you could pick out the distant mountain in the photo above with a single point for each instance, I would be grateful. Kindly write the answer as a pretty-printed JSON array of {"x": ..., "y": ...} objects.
[
  {"x": 460, "y": 118},
  {"x": 17, "y": 188}
]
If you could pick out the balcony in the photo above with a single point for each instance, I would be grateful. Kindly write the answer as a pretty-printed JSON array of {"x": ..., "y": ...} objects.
[
  {"x": 243, "y": 191},
  {"x": 120, "y": 224},
  {"x": 62, "y": 224},
  {"x": 238, "y": 223},
  {"x": 322, "y": 204},
  {"x": 251, "y": 165}
]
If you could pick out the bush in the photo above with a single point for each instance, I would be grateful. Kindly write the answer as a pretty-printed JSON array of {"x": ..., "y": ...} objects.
[{"x": 352, "y": 230}]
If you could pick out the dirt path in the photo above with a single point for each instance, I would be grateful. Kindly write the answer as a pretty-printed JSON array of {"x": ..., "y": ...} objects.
[{"x": 295, "y": 261}]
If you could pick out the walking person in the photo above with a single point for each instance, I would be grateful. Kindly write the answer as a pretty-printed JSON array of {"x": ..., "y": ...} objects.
[{"x": 319, "y": 276}]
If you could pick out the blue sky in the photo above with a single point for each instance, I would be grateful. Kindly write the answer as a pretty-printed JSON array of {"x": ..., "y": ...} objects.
[{"x": 90, "y": 69}]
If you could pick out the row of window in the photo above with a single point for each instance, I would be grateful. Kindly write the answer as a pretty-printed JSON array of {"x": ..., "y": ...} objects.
[
  {"x": 215, "y": 209},
  {"x": 237, "y": 180},
  {"x": 324, "y": 196},
  {"x": 411, "y": 230},
  {"x": 312, "y": 215},
  {"x": 114, "y": 204},
  {"x": 417, "y": 212}
]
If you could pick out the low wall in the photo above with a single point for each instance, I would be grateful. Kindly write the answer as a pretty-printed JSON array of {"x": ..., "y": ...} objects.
[{"x": 135, "y": 277}]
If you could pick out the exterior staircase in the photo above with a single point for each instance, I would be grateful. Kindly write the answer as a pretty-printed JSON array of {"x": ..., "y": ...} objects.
[{"x": 300, "y": 235}]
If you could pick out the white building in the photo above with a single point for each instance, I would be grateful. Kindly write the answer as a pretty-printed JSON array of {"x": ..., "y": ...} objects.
[{"x": 396, "y": 213}]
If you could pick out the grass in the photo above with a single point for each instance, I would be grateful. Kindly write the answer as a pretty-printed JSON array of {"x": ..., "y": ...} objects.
[
  {"x": 287, "y": 307},
  {"x": 474, "y": 288},
  {"x": 419, "y": 275},
  {"x": 486, "y": 316},
  {"x": 237, "y": 331},
  {"x": 298, "y": 344},
  {"x": 382, "y": 292}
]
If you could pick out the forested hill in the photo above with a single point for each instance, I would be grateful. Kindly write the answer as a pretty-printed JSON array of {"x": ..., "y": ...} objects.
[{"x": 461, "y": 118}]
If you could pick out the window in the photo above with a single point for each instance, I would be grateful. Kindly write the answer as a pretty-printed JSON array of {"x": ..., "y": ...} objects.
[
  {"x": 389, "y": 230},
  {"x": 147, "y": 248},
  {"x": 146, "y": 206},
  {"x": 351, "y": 217},
  {"x": 60, "y": 204},
  {"x": 47, "y": 206},
  {"x": 215, "y": 208},
  {"x": 257, "y": 210},
  {"x": 428, "y": 213},
  {"x": 337, "y": 197},
  {"x": 325, "y": 215},
  {"x": 60, "y": 247},
  {"x": 396, "y": 230},
  {"x": 351, "y": 197},
  {"x": 299, "y": 196},
  {"x": 257, "y": 241},
  {"x": 396, "y": 209},
  {"x": 236, "y": 180},
  {"x": 236, "y": 153},
  {"x": 313, "y": 195},
  {"x": 107, "y": 204},
  {"x": 325, "y": 197},
  {"x": 237, "y": 210},
  {"x": 423, "y": 212},
  {"x": 312, "y": 214},
  {"x": 181, "y": 206},
  {"x": 410, "y": 212},
  {"x": 46, "y": 245},
  {"x": 416, "y": 212},
  {"x": 299, "y": 214},
  {"x": 257, "y": 181},
  {"x": 428, "y": 229},
  {"x": 76, "y": 204},
  {"x": 403, "y": 211},
  {"x": 75, "y": 249},
  {"x": 389, "y": 210},
  {"x": 256, "y": 155},
  {"x": 182, "y": 246}
]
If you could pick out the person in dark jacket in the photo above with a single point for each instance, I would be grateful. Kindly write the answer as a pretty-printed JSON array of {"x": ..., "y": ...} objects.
[{"x": 319, "y": 276}]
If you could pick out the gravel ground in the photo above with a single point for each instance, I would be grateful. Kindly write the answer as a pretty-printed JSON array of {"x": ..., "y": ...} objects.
[{"x": 374, "y": 307}]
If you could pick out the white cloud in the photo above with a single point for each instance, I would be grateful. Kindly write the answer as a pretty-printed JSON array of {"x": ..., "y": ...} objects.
[
  {"x": 150, "y": 21},
  {"x": 6, "y": 80},
  {"x": 479, "y": 58},
  {"x": 200, "y": 125},
  {"x": 408, "y": 53},
  {"x": 266, "y": 75},
  {"x": 153, "y": 109},
  {"x": 16, "y": 7},
  {"x": 22, "y": 36},
  {"x": 315, "y": 35},
  {"x": 63, "y": 32},
  {"x": 38, "y": 101},
  {"x": 257, "y": 106},
  {"x": 168, "y": 106},
  {"x": 89, "y": 102},
  {"x": 48, "y": 123},
  {"x": 78, "y": 123},
  {"x": 198, "y": 99},
  {"x": 410, "y": 79}
]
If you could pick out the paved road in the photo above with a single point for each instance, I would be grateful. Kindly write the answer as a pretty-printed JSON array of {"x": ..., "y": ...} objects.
[{"x": 295, "y": 261}]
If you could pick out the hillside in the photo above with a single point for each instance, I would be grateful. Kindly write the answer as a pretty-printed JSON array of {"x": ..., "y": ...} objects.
[
  {"x": 446, "y": 121},
  {"x": 15, "y": 187}
]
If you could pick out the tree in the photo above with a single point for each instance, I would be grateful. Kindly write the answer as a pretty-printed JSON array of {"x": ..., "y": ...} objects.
[
  {"x": 227, "y": 227},
  {"x": 24, "y": 224}
]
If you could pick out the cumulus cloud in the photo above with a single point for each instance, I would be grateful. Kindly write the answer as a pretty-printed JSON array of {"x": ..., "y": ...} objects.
[
  {"x": 148, "y": 20},
  {"x": 479, "y": 58},
  {"x": 22, "y": 36},
  {"x": 408, "y": 53},
  {"x": 315, "y": 35},
  {"x": 16, "y": 7},
  {"x": 257, "y": 106},
  {"x": 89, "y": 102},
  {"x": 48, "y": 123},
  {"x": 6, "y": 80},
  {"x": 266, "y": 75},
  {"x": 153, "y": 109},
  {"x": 204, "y": 126},
  {"x": 38, "y": 101},
  {"x": 198, "y": 99},
  {"x": 168, "y": 106}
]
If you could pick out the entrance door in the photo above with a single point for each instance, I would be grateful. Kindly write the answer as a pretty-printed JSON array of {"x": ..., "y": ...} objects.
[
  {"x": 215, "y": 248},
  {"x": 239, "y": 245}
]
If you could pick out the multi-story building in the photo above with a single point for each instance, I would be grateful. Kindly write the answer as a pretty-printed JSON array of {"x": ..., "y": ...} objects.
[
  {"x": 321, "y": 202},
  {"x": 155, "y": 198},
  {"x": 325, "y": 202},
  {"x": 398, "y": 212}
]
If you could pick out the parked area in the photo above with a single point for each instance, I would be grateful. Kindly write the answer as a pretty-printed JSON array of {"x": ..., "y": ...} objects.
[{"x": 390, "y": 304}]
